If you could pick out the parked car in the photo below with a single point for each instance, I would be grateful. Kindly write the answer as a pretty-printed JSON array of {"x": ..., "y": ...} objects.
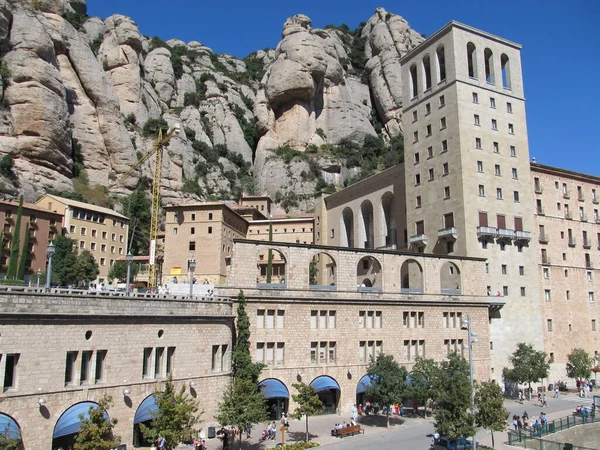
[{"x": 452, "y": 444}]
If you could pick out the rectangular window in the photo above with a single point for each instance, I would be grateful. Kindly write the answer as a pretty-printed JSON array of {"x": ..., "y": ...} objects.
[
  {"x": 442, "y": 123},
  {"x": 147, "y": 362},
  {"x": 593, "y": 324},
  {"x": 516, "y": 196},
  {"x": 429, "y": 152},
  {"x": 494, "y": 124},
  {"x": 270, "y": 319},
  {"x": 549, "y": 325},
  {"x": 444, "y": 146},
  {"x": 86, "y": 359},
  {"x": 280, "y": 319},
  {"x": 442, "y": 101},
  {"x": 492, "y": 102},
  {"x": 476, "y": 120},
  {"x": 418, "y": 201},
  {"x": 279, "y": 353},
  {"x": 513, "y": 151},
  {"x": 481, "y": 190},
  {"x": 505, "y": 290},
  {"x": 209, "y": 230},
  {"x": 447, "y": 192},
  {"x": 428, "y": 109},
  {"x": 417, "y": 179},
  {"x": 428, "y": 130},
  {"x": 475, "y": 97},
  {"x": 509, "y": 107},
  {"x": 515, "y": 174},
  {"x": 415, "y": 115},
  {"x": 192, "y": 246},
  {"x": 260, "y": 318},
  {"x": 362, "y": 353},
  {"x": 270, "y": 353},
  {"x": 170, "y": 360},
  {"x": 445, "y": 170},
  {"x": 547, "y": 295},
  {"x": 100, "y": 362},
  {"x": 591, "y": 297},
  {"x": 511, "y": 129},
  {"x": 417, "y": 158},
  {"x": 260, "y": 352},
  {"x": 522, "y": 270},
  {"x": 431, "y": 175},
  {"x": 70, "y": 368},
  {"x": 158, "y": 361},
  {"x": 331, "y": 321},
  {"x": 415, "y": 136},
  {"x": 478, "y": 143},
  {"x": 497, "y": 170},
  {"x": 480, "y": 166},
  {"x": 10, "y": 372},
  {"x": 499, "y": 193},
  {"x": 496, "y": 147},
  {"x": 522, "y": 291}
]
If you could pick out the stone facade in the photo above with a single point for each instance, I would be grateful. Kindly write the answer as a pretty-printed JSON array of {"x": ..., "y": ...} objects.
[
  {"x": 101, "y": 231},
  {"x": 42, "y": 226},
  {"x": 111, "y": 334},
  {"x": 568, "y": 232},
  {"x": 467, "y": 170}
]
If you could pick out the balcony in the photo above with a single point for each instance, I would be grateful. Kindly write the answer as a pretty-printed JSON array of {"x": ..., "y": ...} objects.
[
  {"x": 568, "y": 215},
  {"x": 581, "y": 197},
  {"x": 540, "y": 211},
  {"x": 566, "y": 195},
  {"x": 538, "y": 189},
  {"x": 589, "y": 265},
  {"x": 448, "y": 233},
  {"x": 543, "y": 238},
  {"x": 583, "y": 217},
  {"x": 505, "y": 234},
  {"x": 420, "y": 240},
  {"x": 546, "y": 260},
  {"x": 522, "y": 236},
  {"x": 587, "y": 243},
  {"x": 595, "y": 201},
  {"x": 572, "y": 242},
  {"x": 486, "y": 232}
]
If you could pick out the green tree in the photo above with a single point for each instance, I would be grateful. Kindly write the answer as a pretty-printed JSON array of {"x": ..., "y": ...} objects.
[
  {"x": 139, "y": 210},
  {"x": 313, "y": 272},
  {"x": 308, "y": 403},
  {"x": 243, "y": 367},
  {"x": 9, "y": 442},
  {"x": 11, "y": 271},
  {"x": 119, "y": 272},
  {"x": 491, "y": 413},
  {"x": 96, "y": 432},
  {"x": 388, "y": 382},
  {"x": 64, "y": 261},
  {"x": 243, "y": 405},
  {"x": 529, "y": 365},
  {"x": 453, "y": 416},
  {"x": 6, "y": 166},
  {"x": 175, "y": 418},
  {"x": 87, "y": 268},
  {"x": 24, "y": 254},
  {"x": 579, "y": 364},
  {"x": 425, "y": 381}
]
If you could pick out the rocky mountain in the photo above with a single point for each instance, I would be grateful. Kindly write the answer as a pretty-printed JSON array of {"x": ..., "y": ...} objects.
[{"x": 83, "y": 99}]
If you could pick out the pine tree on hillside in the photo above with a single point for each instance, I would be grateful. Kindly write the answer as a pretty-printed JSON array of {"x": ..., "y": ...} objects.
[
  {"x": 11, "y": 271},
  {"x": 24, "y": 254}
]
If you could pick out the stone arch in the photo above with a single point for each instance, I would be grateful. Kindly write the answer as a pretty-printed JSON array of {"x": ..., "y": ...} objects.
[
  {"x": 414, "y": 84},
  {"x": 426, "y": 64},
  {"x": 143, "y": 414},
  {"x": 366, "y": 234},
  {"x": 347, "y": 227},
  {"x": 328, "y": 390},
  {"x": 68, "y": 424},
  {"x": 322, "y": 271},
  {"x": 388, "y": 224},
  {"x": 488, "y": 58},
  {"x": 277, "y": 273},
  {"x": 10, "y": 428},
  {"x": 450, "y": 281},
  {"x": 472, "y": 60},
  {"x": 411, "y": 276},
  {"x": 368, "y": 273},
  {"x": 441, "y": 63},
  {"x": 278, "y": 396},
  {"x": 505, "y": 67}
]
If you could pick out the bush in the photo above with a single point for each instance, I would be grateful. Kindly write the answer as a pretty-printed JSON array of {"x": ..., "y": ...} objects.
[
  {"x": 192, "y": 99},
  {"x": 191, "y": 187},
  {"x": 156, "y": 42},
  {"x": 321, "y": 133},
  {"x": 152, "y": 126},
  {"x": 75, "y": 19},
  {"x": 95, "y": 45},
  {"x": 130, "y": 119},
  {"x": 189, "y": 133},
  {"x": 6, "y": 165},
  {"x": 13, "y": 282}
]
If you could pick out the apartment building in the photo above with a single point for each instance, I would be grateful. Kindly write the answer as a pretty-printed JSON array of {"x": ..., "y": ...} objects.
[
  {"x": 42, "y": 226},
  {"x": 100, "y": 230},
  {"x": 467, "y": 171},
  {"x": 568, "y": 231}
]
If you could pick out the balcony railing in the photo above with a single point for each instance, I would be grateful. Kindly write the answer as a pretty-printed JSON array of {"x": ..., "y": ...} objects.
[
  {"x": 572, "y": 242},
  {"x": 545, "y": 259},
  {"x": 589, "y": 265},
  {"x": 418, "y": 239},
  {"x": 540, "y": 211},
  {"x": 538, "y": 189},
  {"x": 448, "y": 233},
  {"x": 587, "y": 243},
  {"x": 522, "y": 236},
  {"x": 568, "y": 215},
  {"x": 504, "y": 233},
  {"x": 486, "y": 232},
  {"x": 566, "y": 195},
  {"x": 543, "y": 238}
]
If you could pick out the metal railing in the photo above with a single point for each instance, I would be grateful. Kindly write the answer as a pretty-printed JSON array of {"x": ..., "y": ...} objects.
[{"x": 531, "y": 437}]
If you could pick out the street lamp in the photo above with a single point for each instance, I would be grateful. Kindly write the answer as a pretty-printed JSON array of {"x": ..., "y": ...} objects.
[
  {"x": 129, "y": 259},
  {"x": 39, "y": 273},
  {"x": 192, "y": 266},
  {"x": 472, "y": 339},
  {"x": 49, "y": 253}
]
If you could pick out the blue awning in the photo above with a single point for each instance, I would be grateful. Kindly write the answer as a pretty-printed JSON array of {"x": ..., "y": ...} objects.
[
  {"x": 324, "y": 383},
  {"x": 363, "y": 384},
  {"x": 70, "y": 423},
  {"x": 8, "y": 424},
  {"x": 144, "y": 411},
  {"x": 273, "y": 388}
]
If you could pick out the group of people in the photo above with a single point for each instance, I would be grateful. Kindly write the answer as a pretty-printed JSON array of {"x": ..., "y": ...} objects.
[{"x": 536, "y": 424}]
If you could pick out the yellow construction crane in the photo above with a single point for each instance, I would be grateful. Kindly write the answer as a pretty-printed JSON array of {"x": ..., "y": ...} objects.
[{"x": 157, "y": 150}]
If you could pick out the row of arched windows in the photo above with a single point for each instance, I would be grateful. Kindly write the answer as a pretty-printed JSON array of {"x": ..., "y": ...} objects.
[
  {"x": 488, "y": 59},
  {"x": 440, "y": 71}
]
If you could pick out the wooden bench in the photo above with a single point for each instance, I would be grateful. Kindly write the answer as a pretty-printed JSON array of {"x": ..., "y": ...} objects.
[{"x": 348, "y": 431}]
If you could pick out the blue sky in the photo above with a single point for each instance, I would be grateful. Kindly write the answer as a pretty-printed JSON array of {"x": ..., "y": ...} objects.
[{"x": 560, "y": 56}]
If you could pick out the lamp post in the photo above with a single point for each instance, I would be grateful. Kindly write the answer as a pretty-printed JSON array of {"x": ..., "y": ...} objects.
[
  {"x": 129, "y": 259},
  {"x": 49, "y": 253},
  {"x": 192, "y": 266},
  {"x": 39, "y": 273},
  {"x": 472, "y": 338}
]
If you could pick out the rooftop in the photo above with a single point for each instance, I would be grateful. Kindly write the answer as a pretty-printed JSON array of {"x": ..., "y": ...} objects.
[{"x": 85, "y": 206}]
